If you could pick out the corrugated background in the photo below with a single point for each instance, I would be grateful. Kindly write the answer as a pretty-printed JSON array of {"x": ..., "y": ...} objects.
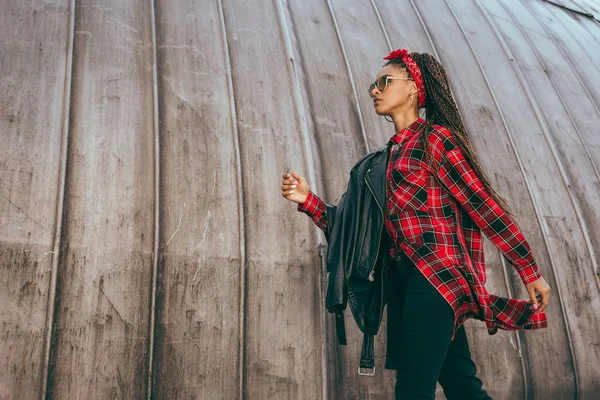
[{"x": 144, "y": 244}]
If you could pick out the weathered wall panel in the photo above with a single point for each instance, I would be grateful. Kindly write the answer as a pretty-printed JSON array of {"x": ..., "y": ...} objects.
[
  {"x": 102, "y": 316},
  {"x": 33, "y": 45},
  {"x": 202, "y": 243},
  {"x": 282, "y": 329}
]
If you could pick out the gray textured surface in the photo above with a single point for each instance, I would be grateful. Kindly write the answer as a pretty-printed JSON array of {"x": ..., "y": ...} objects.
[{"x": 143, "y": 144}]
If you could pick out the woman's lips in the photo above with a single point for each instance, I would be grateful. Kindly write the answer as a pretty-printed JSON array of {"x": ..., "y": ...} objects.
[{"x": 376, "y": 101}]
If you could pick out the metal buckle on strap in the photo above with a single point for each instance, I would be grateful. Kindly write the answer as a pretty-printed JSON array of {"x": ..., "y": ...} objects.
[{"x": 366, "y": 373}]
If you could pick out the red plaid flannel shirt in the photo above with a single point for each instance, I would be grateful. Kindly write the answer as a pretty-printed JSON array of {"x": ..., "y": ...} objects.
[{"x": 438, "y": 226}]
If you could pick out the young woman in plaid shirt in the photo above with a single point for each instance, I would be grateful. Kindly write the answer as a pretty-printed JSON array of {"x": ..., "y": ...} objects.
[{"x": 438, "y": 200}]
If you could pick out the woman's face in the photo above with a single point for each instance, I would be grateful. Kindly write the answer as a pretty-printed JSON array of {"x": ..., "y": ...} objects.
[{"x": 394, "y": 97}]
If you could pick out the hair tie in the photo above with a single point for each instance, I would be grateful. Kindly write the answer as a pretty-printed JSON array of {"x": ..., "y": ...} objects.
[{"x": 413, "y": 69}]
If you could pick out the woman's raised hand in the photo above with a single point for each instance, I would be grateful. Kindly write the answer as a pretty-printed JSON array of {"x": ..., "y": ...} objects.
[{"x": 294, "y": 187}]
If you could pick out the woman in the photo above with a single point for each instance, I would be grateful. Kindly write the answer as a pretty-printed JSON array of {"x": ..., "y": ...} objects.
[{"x": 438, "y": 200}]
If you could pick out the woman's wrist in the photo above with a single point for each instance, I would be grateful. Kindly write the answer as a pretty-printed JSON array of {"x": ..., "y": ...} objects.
[{"x": 305, "y": 199}]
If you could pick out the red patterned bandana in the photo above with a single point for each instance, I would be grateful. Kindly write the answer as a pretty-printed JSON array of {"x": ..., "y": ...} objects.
[{"x": 413, "y": 69}]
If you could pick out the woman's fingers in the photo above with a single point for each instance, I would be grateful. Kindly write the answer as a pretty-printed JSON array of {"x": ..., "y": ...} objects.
[
  {"x": 294, "y": 187},
  {"x": 532, "y": 296},
  {"x": 289, "y": 176},
  {"x": 289, "y": 180},
  {"x": 289, "y": 184},
  {"x": 545, "y": 298},
  {"x": 539, "y": 292},
  {"x": 296, "y": 176}
]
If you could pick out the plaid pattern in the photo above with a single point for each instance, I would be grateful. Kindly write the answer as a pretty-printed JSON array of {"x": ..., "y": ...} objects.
[
  {"x": 437, "y": 224},
  {"x": 314, "y": 207}
]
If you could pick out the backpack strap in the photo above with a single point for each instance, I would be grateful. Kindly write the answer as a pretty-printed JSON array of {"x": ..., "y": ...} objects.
[
  {"x": 367, "y": 358},
  {"x": 340, "y": 327}
]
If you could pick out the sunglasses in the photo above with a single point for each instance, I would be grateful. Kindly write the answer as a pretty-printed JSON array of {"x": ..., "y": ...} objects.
[{"x": 382, "y": 82}]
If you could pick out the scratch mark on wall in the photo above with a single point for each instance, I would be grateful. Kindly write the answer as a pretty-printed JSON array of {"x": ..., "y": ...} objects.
[
  {"x": 173, "y": 234},
  {"x": 206, "y": 223}
]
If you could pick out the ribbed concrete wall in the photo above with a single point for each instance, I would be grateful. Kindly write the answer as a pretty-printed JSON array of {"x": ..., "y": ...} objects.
[{"x": 145, "y": 248}]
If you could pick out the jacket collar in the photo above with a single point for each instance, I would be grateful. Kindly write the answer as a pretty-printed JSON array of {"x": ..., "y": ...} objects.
[{"x": 407, "y": 132}]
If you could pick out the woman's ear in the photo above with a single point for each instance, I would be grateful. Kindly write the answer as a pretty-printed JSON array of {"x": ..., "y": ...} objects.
[{"x": 413, "y": 87}]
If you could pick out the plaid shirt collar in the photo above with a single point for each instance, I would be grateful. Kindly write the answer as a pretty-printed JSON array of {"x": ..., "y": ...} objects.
[{"x": 407, "y": 132}]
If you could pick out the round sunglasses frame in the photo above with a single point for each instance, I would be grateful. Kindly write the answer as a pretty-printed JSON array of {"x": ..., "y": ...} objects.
[{"x": 383, "y": 80}]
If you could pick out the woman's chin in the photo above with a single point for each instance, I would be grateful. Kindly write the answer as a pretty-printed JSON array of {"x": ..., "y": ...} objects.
[{"x": 380, "y": 111}]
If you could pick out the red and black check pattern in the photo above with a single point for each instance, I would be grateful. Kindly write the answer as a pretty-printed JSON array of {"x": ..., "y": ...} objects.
[
  {"x": 437, "y": 223},
  {"x": 316, "y": 209}
]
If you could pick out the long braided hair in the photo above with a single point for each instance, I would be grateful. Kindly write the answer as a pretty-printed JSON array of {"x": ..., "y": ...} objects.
[{"x": 440, "y": 109}]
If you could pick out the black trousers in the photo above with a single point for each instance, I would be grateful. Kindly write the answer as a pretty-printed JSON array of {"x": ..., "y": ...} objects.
[{"x": 426, "y": 354}]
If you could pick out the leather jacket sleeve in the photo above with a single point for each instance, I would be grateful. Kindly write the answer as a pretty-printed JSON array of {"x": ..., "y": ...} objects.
[{"x": 321, "y": 213}]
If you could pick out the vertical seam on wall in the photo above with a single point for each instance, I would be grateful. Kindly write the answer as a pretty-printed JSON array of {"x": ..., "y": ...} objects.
[
  {"x": 62, "y": 179},
  {"x": 387, "y": 38},
  {"x": 155, "y": 252},
  {"x": 505, "y": 272},
  {"x": 566, "y": 56},
  {"x": 587, "y": 29},
  {"x": 298, "y": 102},
  {"x": 350, "y": 75},
  {"x": 583, "y": 27},
  {"x": 308, "y": 157},
  {"x": 430, "y": 39},
  {"x": 241, "y": 216}
]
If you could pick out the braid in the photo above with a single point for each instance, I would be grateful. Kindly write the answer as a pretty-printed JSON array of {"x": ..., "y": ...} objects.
[{"x": 441, "y": 109}]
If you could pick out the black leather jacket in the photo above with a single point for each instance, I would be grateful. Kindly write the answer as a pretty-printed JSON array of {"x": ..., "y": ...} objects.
[{"x": 358, "y": 250}]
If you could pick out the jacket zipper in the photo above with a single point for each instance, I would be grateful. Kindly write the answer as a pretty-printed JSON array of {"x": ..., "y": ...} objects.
[
  {"x": 371, "y": 278},
  {"x": 372, "y": 273}
]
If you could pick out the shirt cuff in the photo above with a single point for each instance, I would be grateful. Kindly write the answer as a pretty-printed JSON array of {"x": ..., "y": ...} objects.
[
  {"x": 529, "y": 273},
  {"x": 310, "y": 204}
]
